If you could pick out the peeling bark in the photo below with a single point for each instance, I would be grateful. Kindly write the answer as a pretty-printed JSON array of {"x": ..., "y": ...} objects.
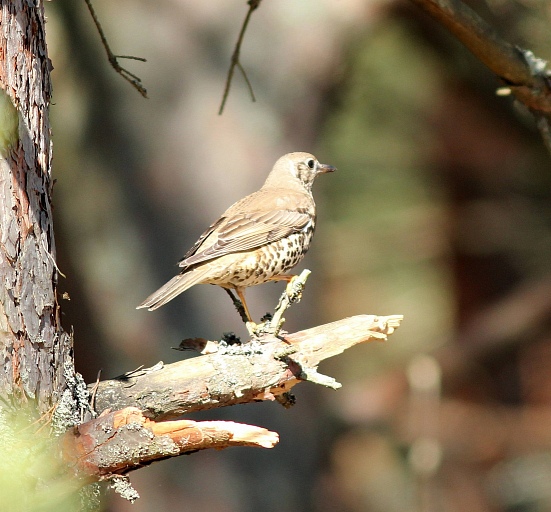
[
  {"x": 33, "y": 346},
  {"x": 123, "y": 441},
  {"x": 120, "y": 441}
]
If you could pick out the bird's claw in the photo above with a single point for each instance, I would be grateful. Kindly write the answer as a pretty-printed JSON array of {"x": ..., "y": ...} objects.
[
  {"x": 259, "y": 331},
  {"x": 254, "y": 329},
  {"x": 272, "y": 325}
]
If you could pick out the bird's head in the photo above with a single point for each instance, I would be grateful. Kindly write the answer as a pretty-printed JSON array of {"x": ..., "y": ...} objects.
[{"x": 303, "y": 167}]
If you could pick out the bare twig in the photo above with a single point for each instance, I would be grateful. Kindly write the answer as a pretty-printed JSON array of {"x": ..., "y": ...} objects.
[
  {"x": 247, "y": 81},
  {"x": 526, "y": 76},
  {"x": 292, "y": 294},
  {"x": 133, "y": 79},
  {"x": 253, "y": 5},
  {"x": 93, "y": 392}
]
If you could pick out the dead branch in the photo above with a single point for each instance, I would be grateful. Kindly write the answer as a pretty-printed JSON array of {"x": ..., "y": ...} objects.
[
  {"x": 240, "y": 373},
  {"x": 133, "y": 430},
  {"x": 133, "y": 79},
  {"x": 525, "y": 75},
  {"x": 125, "y": 440},
  {"x": 253, "y": 5}
]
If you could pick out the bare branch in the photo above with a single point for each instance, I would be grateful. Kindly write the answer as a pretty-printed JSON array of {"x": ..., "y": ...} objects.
[
  {"x": 138, "y": 433},
  {"x": 253, "y": 5},
  {"x": 123, "y": 441},
  {"x": 240, "y": 373},
  {"x": 133, "y": 79},
  {"x": 247, "y": 81},
  {"x": 526, "y": 76}
]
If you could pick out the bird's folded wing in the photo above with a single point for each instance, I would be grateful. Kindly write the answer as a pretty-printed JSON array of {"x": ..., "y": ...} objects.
[
  {"x": 243, "y": 232},
  {"x": 199, "y": 242}
]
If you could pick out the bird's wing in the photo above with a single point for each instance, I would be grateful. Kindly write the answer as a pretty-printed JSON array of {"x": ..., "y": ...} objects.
[
  {"x": 246, "y": 231},
  {"x": 199, "y": 242}
]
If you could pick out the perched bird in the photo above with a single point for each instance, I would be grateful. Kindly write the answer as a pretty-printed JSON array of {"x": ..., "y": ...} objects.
[{"x": 257, "y": 239}]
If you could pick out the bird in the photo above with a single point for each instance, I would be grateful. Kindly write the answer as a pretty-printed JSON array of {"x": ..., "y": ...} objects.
[{"x": 257, "y": 239}]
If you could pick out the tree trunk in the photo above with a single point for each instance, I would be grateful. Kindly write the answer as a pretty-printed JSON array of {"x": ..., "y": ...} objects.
[{"x": 36, "y": 353}]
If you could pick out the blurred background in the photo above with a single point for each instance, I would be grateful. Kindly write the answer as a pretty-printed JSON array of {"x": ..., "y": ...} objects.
[{"x": 440, "y": 211}]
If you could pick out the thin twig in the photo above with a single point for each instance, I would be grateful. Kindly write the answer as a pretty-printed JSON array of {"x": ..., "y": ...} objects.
[
  {"x": 291, "y": 295},
  {"x": 93, "y": 392},
  {"x": 247, "y": 81},
  {"x": 133, "y": 79},
  {"x": 253, "y": 5}
]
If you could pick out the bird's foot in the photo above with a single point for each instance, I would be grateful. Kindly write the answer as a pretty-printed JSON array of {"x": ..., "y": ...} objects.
[
  {"x": 271, "y": 325},
  {"x": 255, "y": 330},
  {"x": 259, "y": 331}
]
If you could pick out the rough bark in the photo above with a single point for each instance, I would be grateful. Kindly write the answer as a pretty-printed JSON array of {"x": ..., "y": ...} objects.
[
  {"x": 241, "y": 374},
  {"x": 120, "y": 441},
  {"x": 34, "y": 349},
  {"x": 125, "y": 440}
]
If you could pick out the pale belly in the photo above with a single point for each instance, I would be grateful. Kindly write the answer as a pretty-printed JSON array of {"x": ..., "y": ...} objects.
[{"x": 259, "y": 266}]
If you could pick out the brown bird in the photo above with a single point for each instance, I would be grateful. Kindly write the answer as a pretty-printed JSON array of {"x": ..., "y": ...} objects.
[{"x": 257, "y": 239}]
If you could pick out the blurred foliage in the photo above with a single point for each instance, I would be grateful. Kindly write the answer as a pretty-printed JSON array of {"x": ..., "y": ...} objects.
[
  {"x": 33, "y": 476},
  {"x": 439, "y": 211},
  {"x": 385, "y": 248}
]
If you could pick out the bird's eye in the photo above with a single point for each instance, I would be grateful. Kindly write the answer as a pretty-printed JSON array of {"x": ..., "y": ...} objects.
[{"x": 310, "y": 163}]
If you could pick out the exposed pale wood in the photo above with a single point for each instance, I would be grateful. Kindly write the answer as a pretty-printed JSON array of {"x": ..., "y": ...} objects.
[
  {"x": 122, "y": 440},
  {"x": 237, "y": 375},
  {"x": 125, "y": 440}
]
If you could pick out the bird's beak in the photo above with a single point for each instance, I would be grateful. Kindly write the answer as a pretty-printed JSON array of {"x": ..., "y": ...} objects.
[{"x": 323, "y": 168}]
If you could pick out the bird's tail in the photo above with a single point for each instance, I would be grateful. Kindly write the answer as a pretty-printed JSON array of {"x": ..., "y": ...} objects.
[{"x": 174, "y": 287}]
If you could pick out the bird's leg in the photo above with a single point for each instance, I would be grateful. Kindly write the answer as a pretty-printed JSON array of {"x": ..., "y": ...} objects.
[
  {"x": 239, "y": 305},
  {"x": 241, "y": 294},
  {"x": 251, "y": 326}
]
